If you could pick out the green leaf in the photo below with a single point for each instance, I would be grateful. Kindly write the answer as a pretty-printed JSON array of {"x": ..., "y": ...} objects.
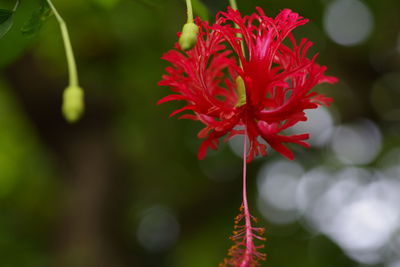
[
  {"x": 200, "y": 9},
  {"x": 36, "y": 21},
  {"x": 6, "y": 21}
]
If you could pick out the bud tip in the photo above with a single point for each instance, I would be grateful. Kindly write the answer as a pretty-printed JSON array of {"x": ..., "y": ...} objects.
[
  {"x": 188, "y": 37},
  {"x": 73, "y": 104}
]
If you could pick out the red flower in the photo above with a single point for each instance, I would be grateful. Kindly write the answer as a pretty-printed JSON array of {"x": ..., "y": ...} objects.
[{"x": 263, "y": 87}]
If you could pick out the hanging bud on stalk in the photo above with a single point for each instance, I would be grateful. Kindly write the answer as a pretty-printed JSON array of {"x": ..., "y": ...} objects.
[
  {"x": 73, "y": 103},
  {"x": 188, "y": 37},
  {"x": 190, "y": 30}
]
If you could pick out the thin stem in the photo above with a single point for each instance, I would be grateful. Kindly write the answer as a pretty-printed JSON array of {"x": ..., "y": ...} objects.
[
  {"x": 249, "y": 235},
  {"x": 189, "y": 11},
  {"x": 15, "y": 6},
  {"x": 245, "y": 171},
  {"x": 73, "y": 73},
  {"x": 233, "y": 4}
]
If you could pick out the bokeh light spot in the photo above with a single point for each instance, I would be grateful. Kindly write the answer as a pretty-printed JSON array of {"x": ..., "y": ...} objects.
[
  {"x": 348, "y": 22},
  {"x": 277, "y": 185},
  {"x": 385, "y": 95},
  {"x": 158, "y": 229},
  {"x": 358, "y": 143}
]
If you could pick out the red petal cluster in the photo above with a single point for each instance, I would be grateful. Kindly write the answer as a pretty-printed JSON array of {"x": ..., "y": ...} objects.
[{"x": 278, "y": 79}]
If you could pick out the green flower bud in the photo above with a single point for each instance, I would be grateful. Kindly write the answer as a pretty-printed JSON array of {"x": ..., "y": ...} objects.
[
  {"x": 241, "y": 91},
  {"x": 73, "y": 104},
  {"x": 188, "y": 38}
]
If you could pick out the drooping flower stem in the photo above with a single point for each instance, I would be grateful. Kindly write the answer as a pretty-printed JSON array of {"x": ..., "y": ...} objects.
[
  {"x": 73, "y": 97},
  {"x": 73, "y": 73},
  {"x": 189, "y": 11},
  {"x": 244, "y": 252},
  {"x": 16, "y": 6},
  {"x": 251, "y": 253},
  {"x": 233, "y": 4},
  {"x": 247, "y": 217}
]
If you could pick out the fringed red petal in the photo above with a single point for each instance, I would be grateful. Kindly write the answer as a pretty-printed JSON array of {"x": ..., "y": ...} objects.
[{"x": 278, "y": 78}]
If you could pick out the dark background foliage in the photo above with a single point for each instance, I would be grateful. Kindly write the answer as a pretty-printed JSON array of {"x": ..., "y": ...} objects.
[{"x": 123, "y": 187}]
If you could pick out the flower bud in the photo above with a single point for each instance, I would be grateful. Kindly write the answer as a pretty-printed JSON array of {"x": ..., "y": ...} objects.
[
  {"x": 188, "y": 37},
  {"x": 241, "y": 91},
  {"x": 73, "y": 104}
]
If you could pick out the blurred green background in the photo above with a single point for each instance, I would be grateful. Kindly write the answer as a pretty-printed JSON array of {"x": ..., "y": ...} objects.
[{"x": 123, "y": 187}]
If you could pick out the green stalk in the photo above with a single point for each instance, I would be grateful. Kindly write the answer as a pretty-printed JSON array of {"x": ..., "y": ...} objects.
[
  {"x": 233, "y": 4},
  {"x": 73, "y": 97},
  {"x": 72, "y": 70},
  {"x": 15, "y": 6},
  {"x": 189, "y": 11}
]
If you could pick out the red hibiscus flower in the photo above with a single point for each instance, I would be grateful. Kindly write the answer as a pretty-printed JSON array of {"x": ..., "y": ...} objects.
[{"x": 242, "y": 78}]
